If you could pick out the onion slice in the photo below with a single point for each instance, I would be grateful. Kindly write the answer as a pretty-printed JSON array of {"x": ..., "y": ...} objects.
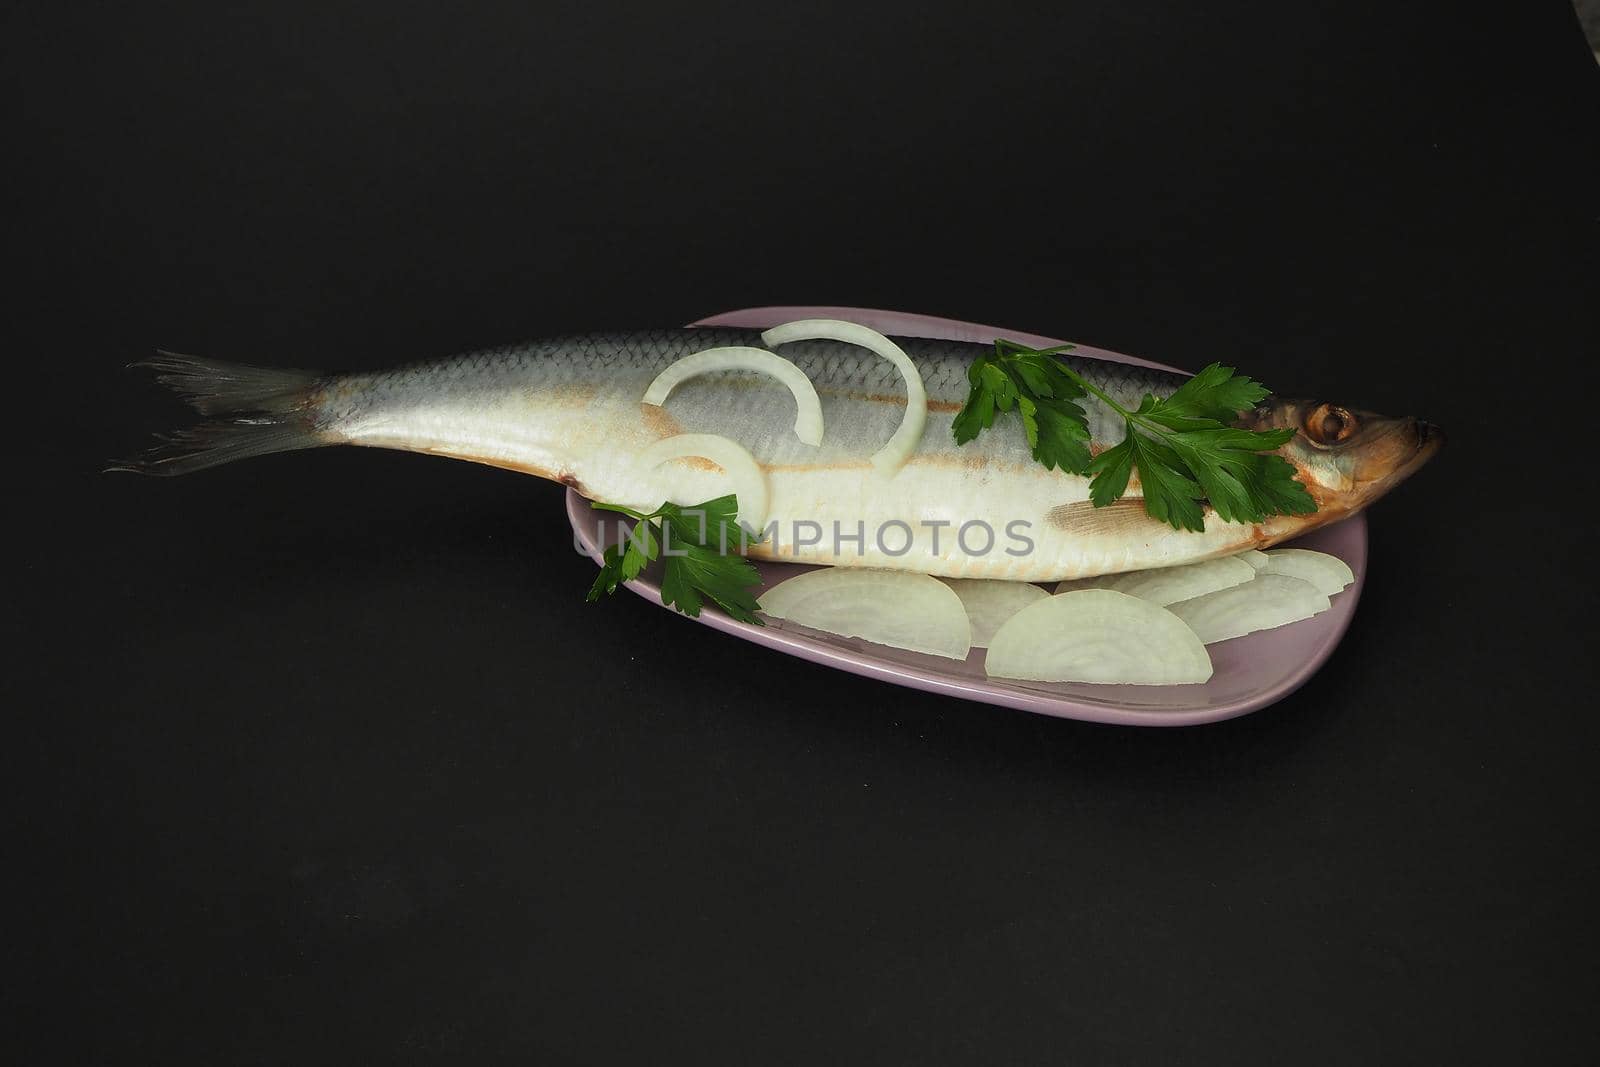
[
  {"x": 893, "y": 455},
  {"x": 1328, "y": 573},
  {"x": 1269, "y": 600},
  {"x": 1253, "y": 556},
  {"x": 749, "y": 480},
  {"x": 808, "y": 409},
  {"x": 1168, "y": 585},
  {"x": 902, "y": 609},
  {"x": 989, "y": 603},
  {"x": 1101, "y": 636}
]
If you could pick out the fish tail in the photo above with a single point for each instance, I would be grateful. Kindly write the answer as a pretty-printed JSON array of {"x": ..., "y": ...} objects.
[{"x": 263, "y": 410}]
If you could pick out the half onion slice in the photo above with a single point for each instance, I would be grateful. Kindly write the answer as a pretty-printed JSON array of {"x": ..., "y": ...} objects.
[
  {"x": 1328, "y": 573},
  {"x": 749, "y": 480},
  {"x": 990, "y": 603},
  {"x": 1101, "y": 636},
  {"x": 808, "y": 409},
  {"x": 1268, "y": 601},
  {"x": 893, "y": 455},
  {"x": 902, "y": 609},
  {"x": 1168, "y": 585},
  {"x": 1253, "y": 556}
]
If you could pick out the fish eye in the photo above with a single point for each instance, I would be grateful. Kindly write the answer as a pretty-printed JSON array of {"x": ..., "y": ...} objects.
[{"x": 1330, "y": 424}]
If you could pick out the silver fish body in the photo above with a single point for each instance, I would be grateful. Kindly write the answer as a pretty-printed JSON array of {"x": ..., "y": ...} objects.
[{"x": 570, "y": 409}]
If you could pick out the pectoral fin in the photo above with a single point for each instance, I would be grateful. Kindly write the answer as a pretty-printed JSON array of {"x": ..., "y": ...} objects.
[{"x": 1125, "y": 518}]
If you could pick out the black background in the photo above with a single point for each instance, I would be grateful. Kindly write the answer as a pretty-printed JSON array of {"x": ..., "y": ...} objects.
[{"x": 323, "y": 759}]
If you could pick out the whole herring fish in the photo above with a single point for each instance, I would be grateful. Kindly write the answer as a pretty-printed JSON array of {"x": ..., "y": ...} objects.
[{"x": 571, "y": 409}]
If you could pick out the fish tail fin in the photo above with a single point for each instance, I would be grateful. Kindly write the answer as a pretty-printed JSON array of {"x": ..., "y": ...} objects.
[
  {"x": 265, "y": 410},
  {"x": 214, "y": 387}
]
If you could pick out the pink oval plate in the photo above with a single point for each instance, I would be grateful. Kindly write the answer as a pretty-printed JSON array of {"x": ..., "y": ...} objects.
[{"x": 1250, "y": 672}]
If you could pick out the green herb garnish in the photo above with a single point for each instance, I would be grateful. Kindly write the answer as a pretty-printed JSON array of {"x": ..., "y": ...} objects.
[
  {"x": 1183, "y": 447},
  {"x": 693, "y": 544}
]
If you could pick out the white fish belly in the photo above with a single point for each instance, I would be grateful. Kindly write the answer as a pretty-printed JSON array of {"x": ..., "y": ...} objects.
[{"x": 982, "y": 510}]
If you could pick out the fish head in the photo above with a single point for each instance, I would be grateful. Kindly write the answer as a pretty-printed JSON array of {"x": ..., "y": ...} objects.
[{"x": 1346, "y": 457}]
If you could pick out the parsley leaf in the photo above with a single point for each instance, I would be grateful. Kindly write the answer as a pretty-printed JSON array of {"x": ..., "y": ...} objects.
[
  {"x": 1111, "y": 470},
  {"x": 1041, "y": 390},
  {"x": 1170, "y": 494},
  {"x": 1183, "y": 448},
  {"x": 1244, "y": 485},
  {"x": 1061, "y": 438},
  {"x": 703, "y": 572},
  {"x": 697, "y": 547},
  {"x": 975, "y": 416},
  {"x": 710, "y": 523},
  {"x": 610, "y": 576},
  {"x": 1216, "y": 394}
]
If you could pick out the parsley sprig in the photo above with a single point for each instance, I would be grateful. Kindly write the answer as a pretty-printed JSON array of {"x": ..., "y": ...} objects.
[
  {"x": 1184, "y": 447},
  {"x": 695, "y": 545}
]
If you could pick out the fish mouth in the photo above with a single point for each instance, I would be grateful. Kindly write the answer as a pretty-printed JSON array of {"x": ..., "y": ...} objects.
[
  {"x": 1429, "y": 437},
  {"x": 1430, "y": 441},
  {"x": 1427, "y": 441}
]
